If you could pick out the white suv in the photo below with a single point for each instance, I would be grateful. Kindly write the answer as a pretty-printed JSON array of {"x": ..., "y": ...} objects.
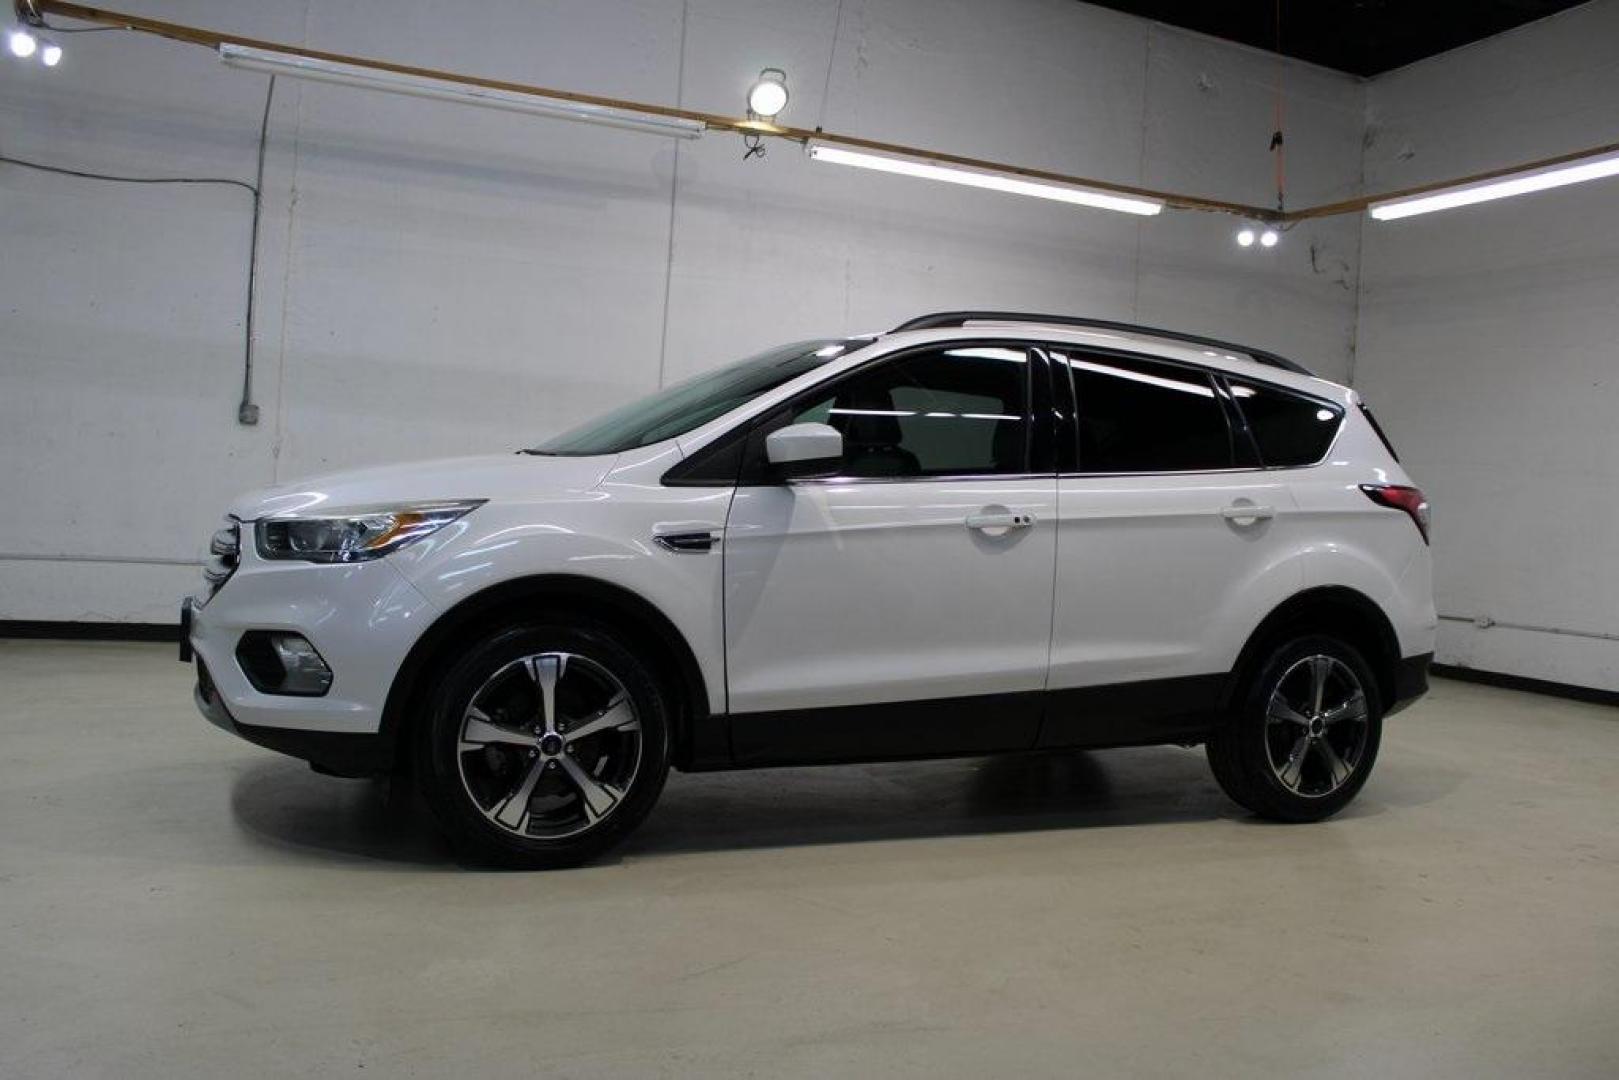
[{"x": 981, "y": 532}]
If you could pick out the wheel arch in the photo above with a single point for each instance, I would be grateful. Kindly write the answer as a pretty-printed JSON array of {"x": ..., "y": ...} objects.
[
  {"x": 646, "y": 628},
  {"x": 1330, "y": 609}
]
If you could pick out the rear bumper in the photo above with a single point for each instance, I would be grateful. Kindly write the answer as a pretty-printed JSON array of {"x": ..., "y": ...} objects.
[
  {"x": 1410, "y": 681},
  {"x": 337, "y": 752}
]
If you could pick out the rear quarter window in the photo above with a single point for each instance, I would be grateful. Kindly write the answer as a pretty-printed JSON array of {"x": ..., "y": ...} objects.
[{"x": 1288, "y": 428}]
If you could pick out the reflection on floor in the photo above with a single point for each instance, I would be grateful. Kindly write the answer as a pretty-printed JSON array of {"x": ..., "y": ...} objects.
[{"x": 177, "y": 903}]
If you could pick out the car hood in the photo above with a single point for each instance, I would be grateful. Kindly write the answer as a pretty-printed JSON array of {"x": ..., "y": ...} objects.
[{"x": 491, "y": 476}]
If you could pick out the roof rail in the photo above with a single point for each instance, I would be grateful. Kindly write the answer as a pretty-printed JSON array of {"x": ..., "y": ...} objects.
[{"x": 946, "y": 319}]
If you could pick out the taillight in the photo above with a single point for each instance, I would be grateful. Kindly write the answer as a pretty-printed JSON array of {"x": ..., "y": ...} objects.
[{"x": 1400, "y": 497}]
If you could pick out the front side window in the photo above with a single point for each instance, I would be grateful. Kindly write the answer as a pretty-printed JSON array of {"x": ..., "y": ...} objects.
[
  {"x": 958, "y": 411},
  {"x": 1140, "y": 415},
  {"x": 689, "y": 405},
  {"x": 1287, "y": 428}
]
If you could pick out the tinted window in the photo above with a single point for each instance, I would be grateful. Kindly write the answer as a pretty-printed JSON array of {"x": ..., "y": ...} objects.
[
  {"x": 939, "y": 412},
  {"x": 680, "y": 408},
  {"x": 1289, "y": 429},
  {"x": 1143, "y": 416}
]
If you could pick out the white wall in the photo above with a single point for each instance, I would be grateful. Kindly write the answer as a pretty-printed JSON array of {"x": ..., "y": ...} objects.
[
  {"x": 1489, "y": 342},
  {"x": 434, "y": 279}
]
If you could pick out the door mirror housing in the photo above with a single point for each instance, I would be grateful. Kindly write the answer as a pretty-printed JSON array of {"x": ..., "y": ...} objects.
[{"x": 804, "y": 449}]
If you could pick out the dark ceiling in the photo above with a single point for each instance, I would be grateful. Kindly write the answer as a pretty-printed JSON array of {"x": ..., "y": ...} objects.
[{"x": 1363, "y": 37}]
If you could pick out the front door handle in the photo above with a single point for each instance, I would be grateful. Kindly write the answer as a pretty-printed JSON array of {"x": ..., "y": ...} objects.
[
  {"x": 1243, "y": 513},
  {"x": 1003, "y": 520}
]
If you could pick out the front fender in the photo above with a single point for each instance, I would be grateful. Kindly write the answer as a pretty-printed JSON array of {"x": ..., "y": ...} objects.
[{"x": 603, "y": 535}]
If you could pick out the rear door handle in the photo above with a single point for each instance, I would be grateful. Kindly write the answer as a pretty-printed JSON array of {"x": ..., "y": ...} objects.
[
  {"x": 986, "y": 520},
  {"x": 1247, "y": 512}
]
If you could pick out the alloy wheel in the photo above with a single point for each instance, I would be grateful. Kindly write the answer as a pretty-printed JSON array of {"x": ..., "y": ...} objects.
[
  {"x": 549, "y": 745},
  {"x": 1316, "y": 728}
]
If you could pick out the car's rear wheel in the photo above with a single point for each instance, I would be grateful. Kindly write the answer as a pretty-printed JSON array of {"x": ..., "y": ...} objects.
[
  {"x": 1304, "y": 734},
  {"x": 543, "y": 746}
]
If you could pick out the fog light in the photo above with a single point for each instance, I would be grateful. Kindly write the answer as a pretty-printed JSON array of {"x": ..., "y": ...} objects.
[{"x": 282, "y": 662}]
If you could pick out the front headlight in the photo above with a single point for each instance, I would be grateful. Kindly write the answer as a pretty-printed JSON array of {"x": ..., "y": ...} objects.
[{"x": 356, "y": 535}]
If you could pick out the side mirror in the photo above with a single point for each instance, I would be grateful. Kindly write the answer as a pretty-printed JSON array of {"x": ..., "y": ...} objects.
[{"x": 802, "y": 449}]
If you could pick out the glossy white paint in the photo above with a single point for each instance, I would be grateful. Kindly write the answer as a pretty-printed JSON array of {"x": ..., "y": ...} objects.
[
  {"x": 1153, "y": 582},
  {"x": 604, "y": 534},
  {"x": 1161, "y": 576},
  {"x": 1346, "y": 539},
  {"x": 362, "y": 618},
  {"x": 584, "y": 517},
  {"x": 803, "y": 442},
  {"x": 843, "y": 593},
  {"x": 838, "y": 592},
  {"x": 499, "y": 477}
]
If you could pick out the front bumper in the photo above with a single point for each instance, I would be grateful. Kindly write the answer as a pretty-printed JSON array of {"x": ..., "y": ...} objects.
[
  {"x": 338, "y": 753},
  {"x": 362, "y": 617}
]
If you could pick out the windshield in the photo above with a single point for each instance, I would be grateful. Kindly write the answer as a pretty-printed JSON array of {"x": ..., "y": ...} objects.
[{"x": 680, "y": 408}]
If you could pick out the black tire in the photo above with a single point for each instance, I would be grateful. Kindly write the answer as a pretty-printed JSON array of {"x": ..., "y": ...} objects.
[
  {"x": 1252, "y": 755},
  {"x": 583, "y": 663}
]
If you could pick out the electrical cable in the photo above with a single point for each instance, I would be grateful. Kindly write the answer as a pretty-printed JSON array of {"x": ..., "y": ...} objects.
[
  {"x": 28, "y": 13},
  {"x": 1278, "y": 144},
  {"x": 831, "y": 58},
  {"x": 84, "y": 174},
  {"x": 247, "y": 411},
  {"x": 53, "y": 28}
]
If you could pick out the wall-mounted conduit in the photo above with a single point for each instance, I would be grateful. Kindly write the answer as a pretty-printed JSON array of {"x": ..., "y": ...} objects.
[
  {"x": 1484, "y": 622},
  {"x": 247, "y": 411},
  {"x": 138, "y": 560}
]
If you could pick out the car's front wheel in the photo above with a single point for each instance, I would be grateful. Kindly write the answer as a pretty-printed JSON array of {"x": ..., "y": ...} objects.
[
  {"x": 543, "y": 746},
  {"x": 1303, "y": 736}
]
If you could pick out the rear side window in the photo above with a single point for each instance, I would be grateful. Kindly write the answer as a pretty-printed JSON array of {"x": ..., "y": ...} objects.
[
  {"x": 1289, "y": 429},
  {"x": 1143, "y": 416}
]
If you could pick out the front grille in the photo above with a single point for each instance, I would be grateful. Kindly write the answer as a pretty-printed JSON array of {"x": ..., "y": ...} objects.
[{"x": 224, "y": 552}]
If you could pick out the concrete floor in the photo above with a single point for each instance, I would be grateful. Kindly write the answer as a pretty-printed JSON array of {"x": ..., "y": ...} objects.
[{"x": 176, "y": 903}]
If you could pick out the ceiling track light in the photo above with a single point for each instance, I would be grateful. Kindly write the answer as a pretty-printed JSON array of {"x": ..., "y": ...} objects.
[
  {"x": 1591, "y": 163},
  {"x": 24, "y": 41},
  {"x": 982, "y": 178},
  {"x": 1504, "y": 187},
  {"x": 21, "y": 42},
  {"x": 1266, "y": 236},
  {"x": 296, "y": 62},
  {"x": 768, "y": 95},
  {"x": 297, "y": 66}
]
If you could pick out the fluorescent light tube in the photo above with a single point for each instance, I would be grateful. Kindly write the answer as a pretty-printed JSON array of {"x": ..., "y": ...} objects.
[
  {"x": 1574, "y": 172},
  {"x": 297, "y": 66},
  {"x": 984, "y": 178}
]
